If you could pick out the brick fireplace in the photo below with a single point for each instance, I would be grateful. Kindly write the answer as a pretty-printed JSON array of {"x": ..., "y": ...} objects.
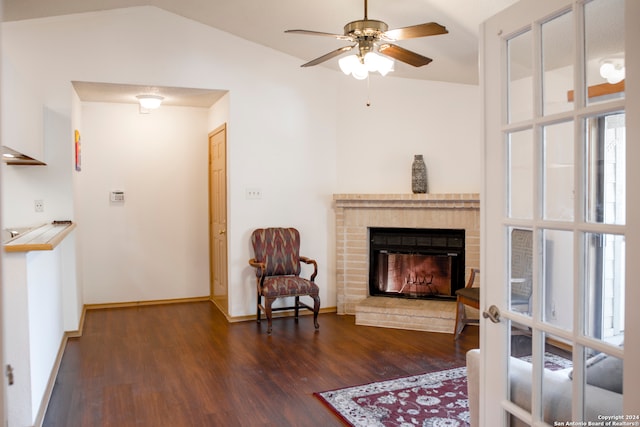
[{"x": 357, "y": 213}]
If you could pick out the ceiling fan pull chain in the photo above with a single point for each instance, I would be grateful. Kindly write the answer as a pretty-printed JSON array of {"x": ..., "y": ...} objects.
[{"x": 369, "y": 90}]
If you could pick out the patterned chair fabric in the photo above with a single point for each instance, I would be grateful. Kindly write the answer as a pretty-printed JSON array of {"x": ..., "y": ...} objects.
[
  {"x": 277, "y": 262},
  {"x": 279, "y": 249},
  {"x": 287, "y": 286}
]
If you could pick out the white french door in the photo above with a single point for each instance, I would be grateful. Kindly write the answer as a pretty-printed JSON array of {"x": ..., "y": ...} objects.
[{"x": 561, "y": 213}]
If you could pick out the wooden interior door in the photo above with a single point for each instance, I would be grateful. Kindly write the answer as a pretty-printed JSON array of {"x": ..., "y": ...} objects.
[{"x": 218, "y": 217}]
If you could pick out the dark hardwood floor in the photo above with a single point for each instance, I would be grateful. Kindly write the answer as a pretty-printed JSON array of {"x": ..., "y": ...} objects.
[{"x": 185, "y": 365}]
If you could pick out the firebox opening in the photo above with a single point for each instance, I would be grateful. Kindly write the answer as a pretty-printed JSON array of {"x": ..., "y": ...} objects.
[{"x": 416, "y": 263}]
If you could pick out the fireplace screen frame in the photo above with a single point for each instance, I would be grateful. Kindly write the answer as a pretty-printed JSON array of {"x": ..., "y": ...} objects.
[{"x": 437, "y": 242}]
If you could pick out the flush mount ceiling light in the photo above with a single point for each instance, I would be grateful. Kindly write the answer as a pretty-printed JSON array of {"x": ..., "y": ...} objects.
[
  {"x": 150, "y": 102},
  {"x": 612, "y": 70}
]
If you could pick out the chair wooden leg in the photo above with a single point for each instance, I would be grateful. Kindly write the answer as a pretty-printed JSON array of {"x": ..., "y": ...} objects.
[
  {"x": 460, "y": 319},
  {"x": 297, "y": 308},
  {"x": 258, "y": 308},
  {"x": 316, "y": 309},
  {"x": 267, "y": 309}
]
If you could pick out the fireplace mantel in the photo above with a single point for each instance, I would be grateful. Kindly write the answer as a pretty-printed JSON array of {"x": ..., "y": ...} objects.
[
  {"x": 356, "y": 213},
  {"x": 408, "y": 200}
]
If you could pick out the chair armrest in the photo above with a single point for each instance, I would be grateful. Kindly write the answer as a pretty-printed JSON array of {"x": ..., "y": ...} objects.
[
  {"x": 261, "y": 265},
  {"x": 315, "y": 266}
]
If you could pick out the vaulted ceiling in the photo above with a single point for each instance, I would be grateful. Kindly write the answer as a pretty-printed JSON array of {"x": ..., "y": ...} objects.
[{"x": 455, "y": 55}]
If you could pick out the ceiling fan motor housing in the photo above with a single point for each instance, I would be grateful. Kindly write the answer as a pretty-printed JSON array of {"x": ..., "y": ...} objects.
[
  {"x": 365, "y": 28},
  {"x": 365, "y": 32}
]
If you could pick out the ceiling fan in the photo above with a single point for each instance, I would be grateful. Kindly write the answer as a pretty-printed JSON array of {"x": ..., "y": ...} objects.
[{"x": 371, "y": 36}]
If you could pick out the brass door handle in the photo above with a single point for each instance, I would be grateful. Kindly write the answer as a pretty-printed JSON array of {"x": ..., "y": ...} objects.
[{"x": 222, "y": 232}]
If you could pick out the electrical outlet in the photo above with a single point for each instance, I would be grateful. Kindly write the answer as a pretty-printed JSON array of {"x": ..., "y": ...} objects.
[
  {"x": 253, "y": 193},
  {"x": 38, "y": 205}
]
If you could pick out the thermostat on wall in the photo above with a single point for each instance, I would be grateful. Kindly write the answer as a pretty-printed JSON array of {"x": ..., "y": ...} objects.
[{"x": 117, "y": 196}]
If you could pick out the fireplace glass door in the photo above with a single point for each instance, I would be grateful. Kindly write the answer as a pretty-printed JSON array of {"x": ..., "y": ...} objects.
[
  {"x": 416, "y": 263},
  {"x": 414, "y": 275}
]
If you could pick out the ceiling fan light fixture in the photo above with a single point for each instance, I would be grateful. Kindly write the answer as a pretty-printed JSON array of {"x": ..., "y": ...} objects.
[
  {"x": 387, "y": 69},
  {"x": 612, "y": 70},
  {"x": 348, "y": 63},
  {"x": 360, "y": 71},
  {"x": 371, "y": 61},
  {"x": 352, "y": 65},
  {"x": 379, "y": 63}
]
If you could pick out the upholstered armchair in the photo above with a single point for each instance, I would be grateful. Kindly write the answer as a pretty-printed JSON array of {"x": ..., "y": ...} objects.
[{"x": 277, "y": 263}]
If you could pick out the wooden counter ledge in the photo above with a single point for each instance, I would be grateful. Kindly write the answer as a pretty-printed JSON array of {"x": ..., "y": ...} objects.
[{"x": 43, "y": 238}]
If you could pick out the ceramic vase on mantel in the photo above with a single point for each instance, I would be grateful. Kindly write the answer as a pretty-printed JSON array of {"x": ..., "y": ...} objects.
[{"x": 418, "y": 175}]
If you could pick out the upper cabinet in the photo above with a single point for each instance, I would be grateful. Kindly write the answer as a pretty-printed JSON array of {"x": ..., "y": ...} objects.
[
  {"x": 22, "y": 114},
  {"x": 16, "y": 158}
]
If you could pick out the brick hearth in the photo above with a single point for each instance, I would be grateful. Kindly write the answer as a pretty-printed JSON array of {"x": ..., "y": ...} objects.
[{"x": 356, "y": 213}]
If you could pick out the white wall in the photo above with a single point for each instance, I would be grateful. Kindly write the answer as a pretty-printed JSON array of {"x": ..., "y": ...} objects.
[
  {"x": 73, "y": 266},
  {"x": 51, "y": 183},
  {"x": 34, "y": 310},
  {"x": 376, "y": 143},
  {"x": 17, "y": 337},
  {"x": 152, "y": 246},
  {"x": 46, "y": 319},
  {"x": 219, "y": 113},
  {"x": 299, "y": 135}
]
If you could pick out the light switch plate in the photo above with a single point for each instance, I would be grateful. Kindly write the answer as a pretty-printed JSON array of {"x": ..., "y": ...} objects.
[{"x": 253, "y": 193}]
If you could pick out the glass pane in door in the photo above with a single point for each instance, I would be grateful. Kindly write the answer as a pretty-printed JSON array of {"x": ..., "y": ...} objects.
[
  {"x": 521, "y": 174},
  {"x": 520, "y": 368},
  {"x": 606, "y": 169},
  {"x": 520, "y": 77},
  {"x": 556, "y": 381},
  {"x": 557, "y": 63},
  {"x": 605, "y": 277},
  {"x": 558, "y": 278},
  {"x": 521, "y": 270},
  {"x": 603, "y": 378},
  {"x": 604, "y": 50},
  {"x": 558, "y": 172}
]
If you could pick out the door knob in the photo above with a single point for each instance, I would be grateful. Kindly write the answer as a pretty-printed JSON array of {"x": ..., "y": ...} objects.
[
  {"x": 492, "y": 314},
  {"x": 222, "y": 231}
]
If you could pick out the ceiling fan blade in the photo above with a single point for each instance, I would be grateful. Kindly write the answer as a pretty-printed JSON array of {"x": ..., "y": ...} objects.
[
  {"x": 328, "y": 56},
  {"x": 420, "y": 30},
  {"x": 319, "y": 33},
  {"x": 404, "y": 55}
]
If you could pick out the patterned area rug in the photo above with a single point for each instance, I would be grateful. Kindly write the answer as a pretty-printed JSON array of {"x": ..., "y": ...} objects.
[
  {"x": 437, "y": 399},
  {"x": 552, "y": 362}
]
